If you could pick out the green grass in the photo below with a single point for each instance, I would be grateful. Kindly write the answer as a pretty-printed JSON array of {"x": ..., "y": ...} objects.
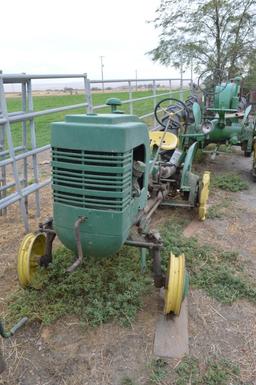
[
  {"x": 102, "y": 290},
  {"x": 127, "y": 381},
  {"x": 219, "y": 273},
  {"x": 229, "y": 182},
  {"x": 190, "y": 371},
  {"x": 218, "y": 210},
  {"x": 159, "y": 370},
  {"x": 187, "y": 371},
  {"x": 216, "y": 372},
  {"x": 50, "y": 101},
  {"x": 223, "y": 148},
  {"x": 200, "y": 156},
  {"x": 98, "y": 291},
  {"x": 112, "y": 288}
]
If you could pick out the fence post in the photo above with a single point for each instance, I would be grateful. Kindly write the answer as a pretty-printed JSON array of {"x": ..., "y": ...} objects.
[
  {"x": 3, "y": 168},
  {"x": 7, "y": 127},
  {"x": 88, "y": 94},
  {"x": 33, "y": 144},
  {"x": 130, "y": 97},
  {"x": 24, "y": 138},
  {"x": 154, "y": 99}
]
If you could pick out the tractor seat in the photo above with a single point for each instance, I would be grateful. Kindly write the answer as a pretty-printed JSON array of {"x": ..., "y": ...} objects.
[{"x": 170, "y": 141}]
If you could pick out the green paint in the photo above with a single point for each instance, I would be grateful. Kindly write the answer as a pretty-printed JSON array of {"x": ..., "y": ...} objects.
[
  {"x": 92, "y": 165},
  {"x": 228, "y": 127}
]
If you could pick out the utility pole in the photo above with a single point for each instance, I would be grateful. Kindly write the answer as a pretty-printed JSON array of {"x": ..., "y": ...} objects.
[
  {"x": 136, "y": 80},
  {"x": 102, "y": 75}
]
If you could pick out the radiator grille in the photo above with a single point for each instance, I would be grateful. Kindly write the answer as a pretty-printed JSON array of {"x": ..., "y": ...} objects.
[{"x": 93, "y": 180}]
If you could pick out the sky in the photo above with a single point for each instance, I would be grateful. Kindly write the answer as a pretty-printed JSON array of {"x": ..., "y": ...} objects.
[{"x": 54, "y": 36}]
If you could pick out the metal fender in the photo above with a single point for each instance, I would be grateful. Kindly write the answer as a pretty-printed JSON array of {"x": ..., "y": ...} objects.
[
  {"x": 187, "y": 166},
  {"x": 197, "y": 115},
  {"x": 246, "y": 114}
]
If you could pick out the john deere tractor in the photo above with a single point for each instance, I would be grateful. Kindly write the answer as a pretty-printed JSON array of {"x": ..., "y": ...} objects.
[
  {"x": 222, "y": 116},
  {"x": 109, "y": 175}
]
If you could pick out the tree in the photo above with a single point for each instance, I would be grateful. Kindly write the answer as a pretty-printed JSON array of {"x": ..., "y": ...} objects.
[
  {"x": 250, "y": 75},
  {"x": 216, "y": 34}
]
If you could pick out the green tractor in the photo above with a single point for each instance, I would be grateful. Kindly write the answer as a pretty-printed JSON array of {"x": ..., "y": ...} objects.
[
  {"x": 109, "y": 175},
  {"x": 221, "y": 117}
]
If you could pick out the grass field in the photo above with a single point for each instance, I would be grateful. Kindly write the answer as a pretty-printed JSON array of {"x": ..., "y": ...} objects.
[{"x": 50, "y": 101}]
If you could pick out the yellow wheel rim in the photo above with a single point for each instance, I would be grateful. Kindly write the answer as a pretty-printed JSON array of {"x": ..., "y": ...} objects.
[
  {"x": 254, "y": 160},
  {"x": 254, "y": 152},
  {"x": 169, "y": 142},
  {"x": 204, "y": 193},
  {"x": 175, "y": 284},
  {"x": 31, "y": 249}
]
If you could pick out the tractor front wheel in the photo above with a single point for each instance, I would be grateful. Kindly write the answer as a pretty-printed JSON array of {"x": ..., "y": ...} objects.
[
  {"x": 31, "y": 249},
  {"x": 177, "y": 283},
  {"x": 203, "y": 195}
]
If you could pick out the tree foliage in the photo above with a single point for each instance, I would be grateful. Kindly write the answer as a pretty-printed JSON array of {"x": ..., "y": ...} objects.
[
  {"x": 250, "y": 76},
  {"x": 215, "y": 33}
]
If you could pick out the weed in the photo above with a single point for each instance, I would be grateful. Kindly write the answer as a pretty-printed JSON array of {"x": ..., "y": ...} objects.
[
  {"x": 31, "y": 181},
  {"x": 220, "y": 372},
  {"x": 222, "y": 148},
  {"x": 98, "y": 291},
  {"x": 101, "y": 290},
  {"x": 200, "y": 156},
  {"x": 219, "y": 273},
  {"x": 216, "y": 372},
  {"x": 217, "y": 210},
  {"x": 188, "y": 371},
  {"x": 158, "y": 370},
  {"x": 229, "y": 182},
  {"x": 127, "y": 381}
]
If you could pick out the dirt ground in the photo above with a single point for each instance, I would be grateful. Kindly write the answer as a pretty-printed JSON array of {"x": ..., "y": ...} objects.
[{"x": 65, "y": 353}]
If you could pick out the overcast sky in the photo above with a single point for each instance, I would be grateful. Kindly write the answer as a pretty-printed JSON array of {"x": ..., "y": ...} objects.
[{"x": 54, "y": 36}]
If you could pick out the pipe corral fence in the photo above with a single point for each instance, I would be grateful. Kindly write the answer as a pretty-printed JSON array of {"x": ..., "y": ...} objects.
[{"x": 15, "y": 181}]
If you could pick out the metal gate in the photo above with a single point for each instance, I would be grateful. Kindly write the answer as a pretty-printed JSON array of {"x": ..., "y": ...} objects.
[{"x": 15, "y": 185}]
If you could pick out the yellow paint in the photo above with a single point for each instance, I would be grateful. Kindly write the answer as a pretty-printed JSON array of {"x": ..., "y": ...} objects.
[
  {"x": 175, "y": 284},
  {"x": 204, "y": 193},
  {"x": 254, "y": 151},
  {"x": 31, "y": 249},
  {"x": 170, "y": 141}
]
